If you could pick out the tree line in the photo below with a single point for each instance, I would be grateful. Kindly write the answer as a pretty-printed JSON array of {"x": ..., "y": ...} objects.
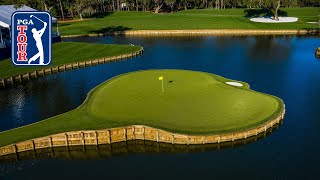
[{"x": 66, "y": 9}]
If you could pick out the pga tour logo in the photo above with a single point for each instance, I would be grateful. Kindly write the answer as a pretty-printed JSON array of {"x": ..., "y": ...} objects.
[{"x": 31, "y": 38}]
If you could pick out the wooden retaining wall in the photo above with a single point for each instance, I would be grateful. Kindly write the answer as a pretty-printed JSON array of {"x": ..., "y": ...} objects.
[
  {"x": 206, "y": 32},
  {"x": 4, "y": 82},
  {"x": 134, "y": 132},
  {"x": 103, "y": 151}
]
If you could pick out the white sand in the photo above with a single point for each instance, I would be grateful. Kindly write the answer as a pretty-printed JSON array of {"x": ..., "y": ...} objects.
[
  {"x": 234, "y": 84},
  {"x": 270, "y": 20},
  {"x": 312, "y": 22}
]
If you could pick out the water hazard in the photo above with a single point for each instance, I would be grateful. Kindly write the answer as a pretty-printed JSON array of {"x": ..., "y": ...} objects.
[{"x": 284, "y": 66}]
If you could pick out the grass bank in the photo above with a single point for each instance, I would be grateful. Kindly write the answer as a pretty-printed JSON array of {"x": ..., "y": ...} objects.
[
  {"x": 70, "y": 52},
  {"x": 188, "y": 20},
  {"x": 193, "y": 103}
]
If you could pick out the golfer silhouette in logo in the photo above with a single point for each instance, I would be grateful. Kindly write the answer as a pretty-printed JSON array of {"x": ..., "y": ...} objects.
[{"x": 37, "y": 35}]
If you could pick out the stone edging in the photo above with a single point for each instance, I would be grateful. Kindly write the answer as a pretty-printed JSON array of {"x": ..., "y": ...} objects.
[
  {"x": 134, "y": 132},
  {"x": 204, "y": 32},
  {"x": 66, "y": 67}
]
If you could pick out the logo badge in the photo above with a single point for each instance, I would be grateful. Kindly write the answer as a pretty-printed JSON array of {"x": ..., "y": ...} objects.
[{"x": 31, "y": 38}]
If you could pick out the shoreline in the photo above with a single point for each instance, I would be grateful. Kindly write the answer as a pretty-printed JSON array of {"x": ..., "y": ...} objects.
[
  {"x": 19, "y": 78},
  {"x": 203, "y": 32},
  {"x": 134, "y": 132},
  {"x": 130, "y": 146}
]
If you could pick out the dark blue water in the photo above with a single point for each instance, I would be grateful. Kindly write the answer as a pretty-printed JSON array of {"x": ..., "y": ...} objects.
[{"x": 284, "y": 66}]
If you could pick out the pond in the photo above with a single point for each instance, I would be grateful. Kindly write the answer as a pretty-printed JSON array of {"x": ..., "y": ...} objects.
[{"x": 284, "y": 66}]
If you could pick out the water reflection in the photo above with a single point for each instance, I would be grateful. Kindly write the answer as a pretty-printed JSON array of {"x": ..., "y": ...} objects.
[
  {"x": 270, "y": 49},
  {"x": 125, "y": 148},
  {"x": 246, "y": 58},
  {"x": 18, "y": 101},
  {"x": 293, "y": 77},
  {"x": 35, "y": 100}
]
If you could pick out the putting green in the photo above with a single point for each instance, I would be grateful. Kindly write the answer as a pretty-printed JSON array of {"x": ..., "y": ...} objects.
[{"x": 192, "y": 103}]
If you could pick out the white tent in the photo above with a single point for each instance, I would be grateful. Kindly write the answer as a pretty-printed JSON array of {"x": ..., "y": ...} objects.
[
  {"x": 6, "y": 12},
  {"x": 3, "y": 24}
]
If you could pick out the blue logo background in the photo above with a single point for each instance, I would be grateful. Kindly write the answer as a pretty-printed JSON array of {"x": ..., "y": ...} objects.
[{"x": 31, "y": 48}]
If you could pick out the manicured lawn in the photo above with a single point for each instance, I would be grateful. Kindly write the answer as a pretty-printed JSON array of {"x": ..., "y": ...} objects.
[
  {"x": 69, "y": 52},
  {"x": 190, "y": 19},
  {"x": 193, "y": 103}
]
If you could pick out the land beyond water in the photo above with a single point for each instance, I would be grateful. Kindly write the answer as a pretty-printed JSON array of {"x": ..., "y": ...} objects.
[
  {"x": 70, "y": 52},
  {"x": 192, "y": 103},
  {"x": 190, "y": 20}
]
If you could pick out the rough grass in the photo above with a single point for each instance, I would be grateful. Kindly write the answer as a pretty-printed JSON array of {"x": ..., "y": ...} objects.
[
  {"x": 190, "y": 19},
  {"x": 193, "y": 103},
  {"x": 70, "y": 52}
]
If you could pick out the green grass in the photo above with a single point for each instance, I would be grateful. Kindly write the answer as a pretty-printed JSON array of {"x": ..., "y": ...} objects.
[
  {"x": 193, "y": 103},
  {"x": 190, "y": 19},
  {"x": 69, "y": 52}
]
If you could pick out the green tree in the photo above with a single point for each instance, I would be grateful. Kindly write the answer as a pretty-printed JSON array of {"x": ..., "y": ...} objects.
[
  {"x": 158, "y": 5},
  {"x": 79, "y": 6},
  {"x": 171, "y": 4},
  {"x": 273, "y": 6}
]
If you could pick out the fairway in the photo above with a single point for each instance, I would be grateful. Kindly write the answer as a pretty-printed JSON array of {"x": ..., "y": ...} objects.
[
  {"x": 192, "y": 103},
  {"x": 70, "y": 52},
  {"x": 187, "y": 20}
]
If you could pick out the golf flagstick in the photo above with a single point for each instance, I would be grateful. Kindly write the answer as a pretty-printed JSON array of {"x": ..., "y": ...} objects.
[{"x": 161, "y": 79}]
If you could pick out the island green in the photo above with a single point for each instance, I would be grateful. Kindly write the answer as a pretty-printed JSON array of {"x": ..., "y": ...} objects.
[{"x": 192, "y": 103}]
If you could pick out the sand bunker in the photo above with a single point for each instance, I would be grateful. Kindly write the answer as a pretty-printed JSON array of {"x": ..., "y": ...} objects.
[
  {"x": 234, "y": 84},
  {"x": 312, "y": 22},
  {"x": 270, "y": 20}
]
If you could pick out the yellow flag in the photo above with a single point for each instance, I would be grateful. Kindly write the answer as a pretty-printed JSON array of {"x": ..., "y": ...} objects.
[{"x": 161, "y": 78}]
